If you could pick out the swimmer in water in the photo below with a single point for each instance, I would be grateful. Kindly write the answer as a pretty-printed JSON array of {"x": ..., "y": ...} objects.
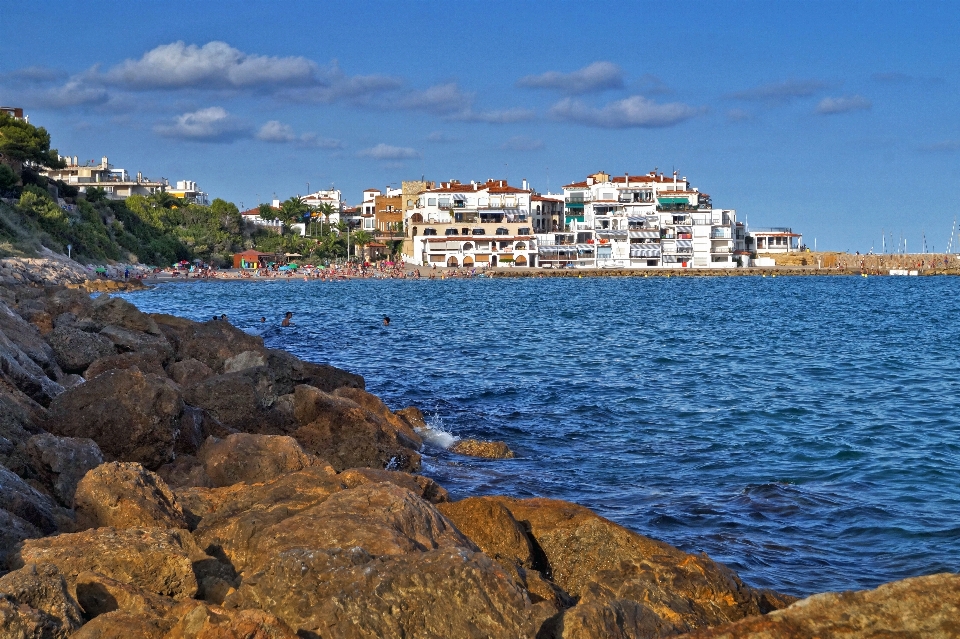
[
  {"x": 263, "y": 320},
  {"x": 386, "y": 321},
  {"x": 286, "y": 319}
]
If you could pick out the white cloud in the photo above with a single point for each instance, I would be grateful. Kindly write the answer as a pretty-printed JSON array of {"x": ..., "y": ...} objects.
[
  {"x": 598, "y": 76},
  {"x": 522, "y": 143},
  {"x": 75, "y": 92},
  {"x": 779, "y": 92},
  {"x": 439, "y": 137},
  {"x": 441, "y": 99},
  {"x": 279, "y": 133},
  {"x": 386, "y": 152},
  {"x": 213, "y": 124},
  {"x": 215, "y": 65},
  {"x": 635, "y": 111},
  {"x": 333, "y": 85},
  {"x": 843, "y": 104},
  {"x": 505, "y": 116}
]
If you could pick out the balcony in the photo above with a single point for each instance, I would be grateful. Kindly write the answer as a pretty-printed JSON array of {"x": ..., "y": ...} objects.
[
  {"x": 721, "y": 250},
  {"x": 720, "y": 234}
]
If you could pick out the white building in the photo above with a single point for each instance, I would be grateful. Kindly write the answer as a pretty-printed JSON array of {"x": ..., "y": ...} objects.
[
  {"x": 476, "y": 224},
  {"x": 775, "y": 240},
  {"x": 640, "y": 221}
]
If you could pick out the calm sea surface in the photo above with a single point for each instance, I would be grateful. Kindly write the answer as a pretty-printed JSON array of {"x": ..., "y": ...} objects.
[{"x": 803, "y": 431}]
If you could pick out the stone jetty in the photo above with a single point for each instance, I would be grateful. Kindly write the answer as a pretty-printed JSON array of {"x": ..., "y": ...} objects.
[{"x": 164, "y": 478}]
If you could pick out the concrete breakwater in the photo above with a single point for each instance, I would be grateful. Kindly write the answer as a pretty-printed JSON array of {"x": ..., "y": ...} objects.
[{"x": 168, "y": 478}]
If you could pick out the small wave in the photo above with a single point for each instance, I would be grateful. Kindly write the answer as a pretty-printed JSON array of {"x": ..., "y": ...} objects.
[{"x": 436, "y": 433}]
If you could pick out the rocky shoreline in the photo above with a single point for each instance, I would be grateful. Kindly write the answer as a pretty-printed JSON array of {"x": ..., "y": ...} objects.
[{"x": 165, "y": 478}]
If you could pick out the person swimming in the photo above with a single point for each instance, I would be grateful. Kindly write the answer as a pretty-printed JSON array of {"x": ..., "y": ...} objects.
[
  {"x": 263, "y": 320},
  {"x": 286, "y": 319},
  {"x": 386, "y": 321}
]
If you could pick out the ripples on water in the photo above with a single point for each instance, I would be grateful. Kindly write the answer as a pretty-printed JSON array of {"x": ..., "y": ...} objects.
[{"x": 801, "y": 430}]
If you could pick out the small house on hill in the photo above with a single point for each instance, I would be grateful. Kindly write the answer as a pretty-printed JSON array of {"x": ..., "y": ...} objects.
[{"x": 251, "y": 259}]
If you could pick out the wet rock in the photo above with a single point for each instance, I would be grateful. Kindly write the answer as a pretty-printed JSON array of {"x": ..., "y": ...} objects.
[
  {"x": 492, "y": 527},
  {"x": 412, "y": 416},
  {"x": 59, "y": 463},
  {"x": 75, "y": 349},
  {"x": 244, "y": 457},
  {"x": 349, "y": 593},
  {"x": 26, "y": 502},
  {"x": 121, "y": 624},
  {"x": 477, "y": 448},
  {"x": 583, "y": 551},
  {"x": 156, "y": 560},
  {"x": 126, "y": 495},
  {"x": 131, "y": 415},
  {"x": 147, "y": 362},
  {"x": 189, "y": 372},
  {"x": 42, "y": 588},
  {"x": 913, "y": 608},
  {"x": 211, "y": 343},
  {"x": 423, "y": 487},
  {"x": 345, "y": 433},
  {"x": 13, "y": 530},
  {"x": 98, "y": 595},
  {"x": 119, "y": 312}
]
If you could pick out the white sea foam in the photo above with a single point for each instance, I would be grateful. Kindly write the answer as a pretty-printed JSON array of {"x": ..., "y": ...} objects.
[{"x": 436, "y": 433}]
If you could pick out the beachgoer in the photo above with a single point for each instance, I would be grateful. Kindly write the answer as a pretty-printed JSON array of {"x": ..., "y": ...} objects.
[
  {"x": 223, "y": 318},
  {"x": 215, "y": 318},
  {"x": 386, "y": 321},
  {"x": 286, "y": 319},
  {"x": 263, "y": 320}
]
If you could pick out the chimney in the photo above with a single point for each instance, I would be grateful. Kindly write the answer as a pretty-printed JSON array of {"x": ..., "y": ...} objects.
[
  {"x": 276, "y": 204},
  {"x": 589, "y": 181},
  {"x": 524, "y": 184},
  {"x": 139, "y": 176},
  {"x": 103, "y": 162},
  {"x": 626, "y": 179}
]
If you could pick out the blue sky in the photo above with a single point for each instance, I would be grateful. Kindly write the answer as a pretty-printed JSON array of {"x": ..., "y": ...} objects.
[{"x": 836, "y": 118}]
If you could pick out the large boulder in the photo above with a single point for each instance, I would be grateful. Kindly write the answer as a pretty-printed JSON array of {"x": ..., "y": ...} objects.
[
  {"x": 244, "y": 457},
  {"x": 26, "y": 502},
  {"x": 29, "y": 340},
  {"x": 352, "y": 431},
  {"x": 233, "y": 400},
  {"x": 126, "y": 340},
  {"x": 117, "y": 311},
  {"x": 126, "y": 495},
  {"x": 211, "y": 343},
  {"x": 484, "y": 449},
  {"x": 18, "y": 371},
  {"x": 68, "y": 300},
  {"x": 153, "y": 559},
  {"x": 13, "y": 530},
  {"x": 200, "y": 621},
  {"x": 489, "y": 524},
  {"x": 75, "y": 349},
  {"x": 98, "y": 595},
  {"x": 147, "y": 362},
  {"x": 423, "y": 487},
  {"x": 131, "y": 415},
  {"x": 910, "y": 609},
  {"x": 42, "y": 588},
  {"x": 585, "y": 553},
  {"x": 59, "y": 463},
  {"x": 189, "y": 372}
]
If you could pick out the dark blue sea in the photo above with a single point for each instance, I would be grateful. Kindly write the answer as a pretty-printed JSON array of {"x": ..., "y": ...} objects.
[{"x": 802, "y": 430}]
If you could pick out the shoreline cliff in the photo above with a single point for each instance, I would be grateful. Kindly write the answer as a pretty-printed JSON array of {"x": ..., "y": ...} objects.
[{"x": 166, "y": 478}]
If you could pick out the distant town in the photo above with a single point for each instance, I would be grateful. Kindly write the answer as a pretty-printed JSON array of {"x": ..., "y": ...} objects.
[{"x": 646, "y": 221}]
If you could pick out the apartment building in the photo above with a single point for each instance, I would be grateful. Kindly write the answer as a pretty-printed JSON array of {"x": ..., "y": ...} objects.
[{"x": 116, "y": 182}]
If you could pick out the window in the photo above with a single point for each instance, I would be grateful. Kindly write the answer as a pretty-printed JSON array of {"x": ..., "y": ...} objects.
[
  {"x": 464, "y": 231},
  {"x": 429, "y": 231},
  {"x": 444, "y": 201},
  {"x": 409, "y": 203},
  {"x": 478, "y": 232},
  {"x": 503, "y": 231},
  {"x": 431, "y": 201},
  {"x": 451, "y": 232},
  {"x": 523, "y": 230}
]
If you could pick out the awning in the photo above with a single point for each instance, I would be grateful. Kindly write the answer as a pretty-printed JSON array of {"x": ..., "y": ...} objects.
[
  {"x": 684, "y": 243},
  {"x": 684, "y": 229},
  {"x": 557, "y": 250},
  {"x": 574, "y": 205},
  {"x": 645, "y": 234},
  {"x": 649, "y": 251},
  {"x": 585, "y": 247},
  {"x": 635, "y": 219},
  {"x": 459, "y": 197},
  {"x": 672, "y": 200},
  {"x": 615, "y": 235}
]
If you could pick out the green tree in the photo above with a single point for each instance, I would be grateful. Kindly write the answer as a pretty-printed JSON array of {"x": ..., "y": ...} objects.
[
  {"x": 361, "y": 238},
  {"x": 267, "y": 212},
  {"x": 292, "y": 210},
  {"x": 22, "y": 142},
  {"x": 8, "y": 179},
  {"x": 95, "y": 194}
]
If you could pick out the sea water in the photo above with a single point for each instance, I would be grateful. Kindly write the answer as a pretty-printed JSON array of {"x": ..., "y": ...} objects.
[{"x": 802, "y": 430}]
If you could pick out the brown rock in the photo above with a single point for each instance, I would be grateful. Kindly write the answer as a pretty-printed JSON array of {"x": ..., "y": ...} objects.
[
  {"x": 121, "y": 624},
  {"x": 421, "y": 486},
  {"x": 243, "y": 457},
  {"x": 189, "y": 372},
  {"x": 231, "y": 399},
  {"x": 23, "y": 374},
  {"x": 211, "y": 343},
  {"x": 147, "y": 362},
  {"x": 131, "y": 415},
  {"x": 98, "y": 594},
  {"x": 26, "y": 502},
  {"x": 583, "y": 551},
  {"x": 199, "y": 621},
  {"x": 492, "y": 527},
  {"x": 348, "y": 435},
  {"x": 412, "y": 416},
  {"x": 126, "y": 340},
  {"x": 59, "y": 463},
  {"x": 21, "y": 621},
  {"x": 43, "y": 588},
  {"x": 75, "y": 349},
  {"x": 65, "y": 300},
  {"x": 186, "y": 471},
  {"x": 477, "y": 448},
  {"x": 29, "y": 340},
  {"x": 125, "y": 495},
  {"x": 599, "y": 615},
  {"x": 910, "y": 609},
  {"x": 348, "y": 593},
  {"x": 159, "y": 561},
  {"x": 244, "y": 361},
  {"x": 119, "y": 312},
  {"x": 196, "y": 425}
]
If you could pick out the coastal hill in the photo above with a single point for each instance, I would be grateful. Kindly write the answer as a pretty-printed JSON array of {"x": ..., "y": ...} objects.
[{"x": 165, "y": 478}]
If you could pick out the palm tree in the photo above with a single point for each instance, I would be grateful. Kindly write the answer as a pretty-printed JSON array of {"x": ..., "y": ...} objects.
[
  {"x": 293, "y": 209},
  {"x": 361, "y": 238}
]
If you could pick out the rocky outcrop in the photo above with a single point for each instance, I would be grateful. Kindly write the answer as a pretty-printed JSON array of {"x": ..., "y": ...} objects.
[
  {"x": 477, "y": 448},
  {"x": 131, "y": 415},
  {"x": 13, "y": 530},
  {"x": 910, "y": 609},
  {"x": 76, "y": 349},
  {"x": 98, "y": 594},
  {"x": 189, "y": 372},
  {"x": 22, "y": 373},
  {"x": 59, "y": 463},
  {"x": 43, "y": 603},
  {"x": 153, "y": 559},
  {"x": 121, "y": 624},
  {"x": 126, "y": 495},
  {"x": 244, "y": 457},
  {"x": 146, "y": 362},
  {"x": 26, "y": 502},
  {"x": 28, "y": 339},
  {"x": 211, "y": 343}
]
